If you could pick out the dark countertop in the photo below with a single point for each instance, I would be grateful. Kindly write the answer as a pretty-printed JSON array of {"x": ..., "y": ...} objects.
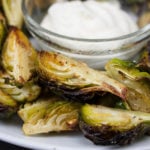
[{"x": 7, "y": 146}]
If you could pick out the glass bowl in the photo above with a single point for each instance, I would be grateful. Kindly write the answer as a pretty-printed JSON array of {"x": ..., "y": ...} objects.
[{"x": 94, "y": 52}]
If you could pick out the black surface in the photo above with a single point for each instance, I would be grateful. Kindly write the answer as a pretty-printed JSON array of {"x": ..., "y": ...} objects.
[{"x": 7, "y": 146}]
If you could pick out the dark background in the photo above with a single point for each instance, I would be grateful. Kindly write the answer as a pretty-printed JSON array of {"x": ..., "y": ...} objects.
[{"x": 6, "y": 146}]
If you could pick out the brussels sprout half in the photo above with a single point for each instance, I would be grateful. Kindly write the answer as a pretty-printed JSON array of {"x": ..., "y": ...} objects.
[
  {"x": 74, "y": 79},
  {"x": 138, "y": 83},
  {"x": 49, "y": 115},
  {"x": 109, "y": 126},
  {"x": 21, "y": 93},
  {"x": 18, "y": 56}
]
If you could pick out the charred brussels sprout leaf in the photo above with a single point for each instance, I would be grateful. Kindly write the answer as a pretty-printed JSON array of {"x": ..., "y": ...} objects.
[
  {"x": 21, "y": 93},
  {"x": 108, "y": 126},
  {"x": 13, "y": 12},
  {"x": 138, "y": 93},
  {"x": 49, "y": 115},
  {"x": 18, "y": 56},
  {"x": 74, "y": 79},
  {"x": 8, "y": 106}
]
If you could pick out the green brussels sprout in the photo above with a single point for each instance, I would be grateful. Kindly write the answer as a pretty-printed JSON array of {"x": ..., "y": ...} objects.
[
  {"x": 13, "y": 12},
  {"x": 138, "y": 93},
  {"x": 73, "y": 79},
  {"x": 21, "y": 93},
  {"x": 49, "y": 114},
  {"x": 110, "y": 126},
  {"x": 8, "y": 105},
  {"x": 18, "y": 56}
]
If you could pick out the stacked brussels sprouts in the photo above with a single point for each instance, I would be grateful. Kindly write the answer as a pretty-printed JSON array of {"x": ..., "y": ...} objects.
[
  {"x": 118, "y": 109},
  {"x": 52, "y": 93},
  {"x": 17, "y": 80}
]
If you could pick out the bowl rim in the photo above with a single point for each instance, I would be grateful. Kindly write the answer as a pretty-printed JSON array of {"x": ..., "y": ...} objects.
[{"x": 36, "y": 26}]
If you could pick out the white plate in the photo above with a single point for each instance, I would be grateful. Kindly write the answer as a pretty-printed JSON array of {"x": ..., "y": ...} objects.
[{"x": 10, "y": 131}]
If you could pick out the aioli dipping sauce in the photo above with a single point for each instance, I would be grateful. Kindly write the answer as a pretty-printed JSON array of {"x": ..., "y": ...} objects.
[{"x": 88, "y": 20}]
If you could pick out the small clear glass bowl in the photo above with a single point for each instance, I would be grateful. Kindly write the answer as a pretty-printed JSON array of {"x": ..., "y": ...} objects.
[{"x": 94, "y": 52}]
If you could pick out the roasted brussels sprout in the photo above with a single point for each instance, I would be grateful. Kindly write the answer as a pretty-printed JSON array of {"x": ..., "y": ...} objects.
[
  {"x": 13, "y": 12},
  {"x": 22, "y": 93},
  {"x": 18, "y": 56},
  {"x": 138, "y": 83},
  {"x": 49, "y": 115},
  {"x": 109, "y": 126},
  {"x": 74, "y": 79},
  {"x": 8, "y": 106}
]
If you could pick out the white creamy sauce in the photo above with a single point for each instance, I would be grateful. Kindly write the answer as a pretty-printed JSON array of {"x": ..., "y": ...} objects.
[{"x": 88, "y": 20}]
